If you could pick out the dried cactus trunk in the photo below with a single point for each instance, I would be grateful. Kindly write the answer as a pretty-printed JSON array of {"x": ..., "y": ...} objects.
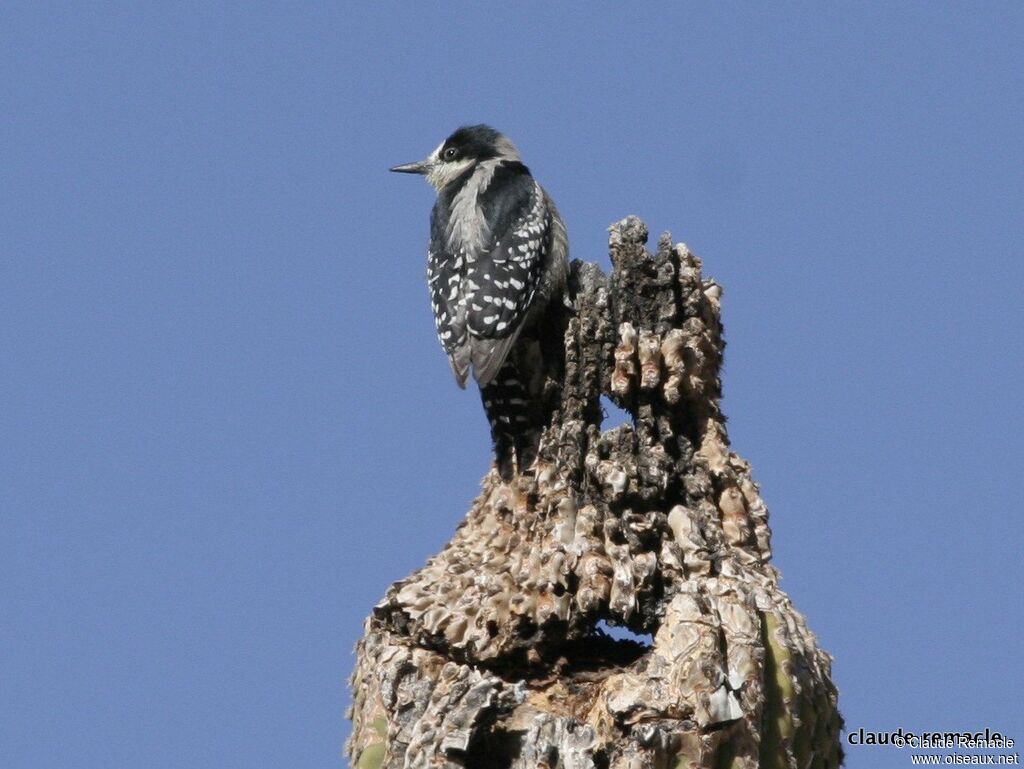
[{"x": 489, "y": 657}]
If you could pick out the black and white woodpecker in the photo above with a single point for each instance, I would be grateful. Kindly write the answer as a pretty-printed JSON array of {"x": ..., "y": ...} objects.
[{"x": 497, "y": 259}]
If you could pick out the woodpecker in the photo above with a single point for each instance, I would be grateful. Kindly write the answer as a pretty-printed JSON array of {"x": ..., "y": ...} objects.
[{"x": 497, "y": 260}]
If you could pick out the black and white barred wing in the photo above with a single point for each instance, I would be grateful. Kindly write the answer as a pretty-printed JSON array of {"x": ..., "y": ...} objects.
[
  {"x": 444, "y": 278},
  {"x": 502, "y": 283}
]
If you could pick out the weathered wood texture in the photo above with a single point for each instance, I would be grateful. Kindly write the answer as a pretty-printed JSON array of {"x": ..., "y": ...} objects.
[{"x": 488, "y": 656}]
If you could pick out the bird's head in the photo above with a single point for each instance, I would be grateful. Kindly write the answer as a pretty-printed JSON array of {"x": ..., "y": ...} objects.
[{"x": 460, "y": 153}]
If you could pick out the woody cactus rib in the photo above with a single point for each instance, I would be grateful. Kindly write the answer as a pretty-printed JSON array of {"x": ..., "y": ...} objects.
[{"x": 489, "y": 655}]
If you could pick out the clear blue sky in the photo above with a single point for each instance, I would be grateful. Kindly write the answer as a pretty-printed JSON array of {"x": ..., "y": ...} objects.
[{"x": 227, "y": 425}]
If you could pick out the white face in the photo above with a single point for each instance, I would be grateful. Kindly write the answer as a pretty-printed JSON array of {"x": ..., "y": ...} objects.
[{"x": 443, "y": 172}]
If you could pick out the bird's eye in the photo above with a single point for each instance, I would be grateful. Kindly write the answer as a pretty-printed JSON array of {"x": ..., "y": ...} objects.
[{"x": 450, "y": 153}]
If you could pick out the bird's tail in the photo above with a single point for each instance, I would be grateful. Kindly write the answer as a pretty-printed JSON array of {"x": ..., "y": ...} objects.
[{"x": 513, "y": 430}]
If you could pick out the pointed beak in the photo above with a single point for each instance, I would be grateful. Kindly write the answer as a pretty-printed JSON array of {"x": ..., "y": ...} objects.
[{"x": 412, "y": 168}]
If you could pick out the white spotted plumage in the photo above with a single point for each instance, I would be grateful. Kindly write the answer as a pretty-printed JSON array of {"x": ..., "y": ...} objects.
[{"x": 482, "y": 294}]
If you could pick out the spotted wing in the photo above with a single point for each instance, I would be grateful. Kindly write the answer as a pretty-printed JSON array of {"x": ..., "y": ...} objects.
[
  {"x": 448, "y": 301},
  {"x": 503, "y": 281}
]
